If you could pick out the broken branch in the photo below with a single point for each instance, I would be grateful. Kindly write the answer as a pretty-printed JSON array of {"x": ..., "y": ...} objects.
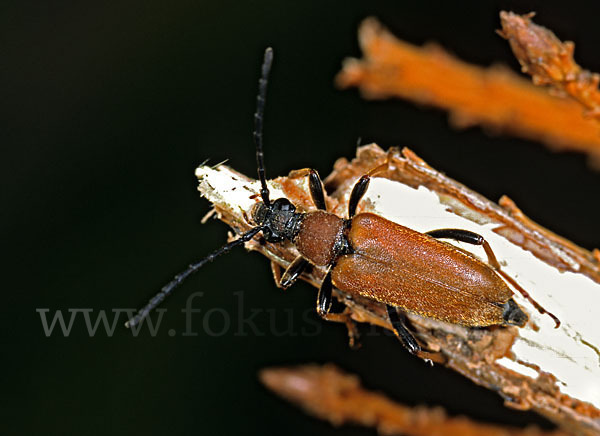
[
  {"x": 554, "y": 372},
  {"x": 494, "y": 97},
  {"x": 330, "y": 394},
  {"x": 549, "y": 61}
]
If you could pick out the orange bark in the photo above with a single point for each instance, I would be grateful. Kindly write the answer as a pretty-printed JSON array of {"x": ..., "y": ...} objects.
[
  {"x": 550, "y": 61},
  {"x": 330, "y": 394},
  {"x": 471, "y": 352},
  {"x": 494, "y": 97}
]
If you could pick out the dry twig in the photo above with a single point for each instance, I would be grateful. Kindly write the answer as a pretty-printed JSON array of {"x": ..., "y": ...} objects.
[
  {"x": 554, "y": 372},
  {"x": 332, "y": 395},
  {"x": 549, "y": 61},
  {"x": 494, "y": 97}
]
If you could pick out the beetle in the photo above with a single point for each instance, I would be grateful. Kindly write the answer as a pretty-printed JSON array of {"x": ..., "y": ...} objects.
[{"x": 370, "y": 256}]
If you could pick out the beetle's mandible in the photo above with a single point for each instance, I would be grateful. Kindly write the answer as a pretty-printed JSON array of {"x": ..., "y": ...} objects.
[{"x": 368, "y": 255}]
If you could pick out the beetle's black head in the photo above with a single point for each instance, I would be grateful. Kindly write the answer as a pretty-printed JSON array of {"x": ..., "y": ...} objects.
[
  {"x": 513, "y": 314},
  {"x": 279, "y": 219}
]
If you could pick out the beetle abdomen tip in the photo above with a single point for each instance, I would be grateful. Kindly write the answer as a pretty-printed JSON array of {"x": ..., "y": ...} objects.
[{"x": 513, "y": 314}]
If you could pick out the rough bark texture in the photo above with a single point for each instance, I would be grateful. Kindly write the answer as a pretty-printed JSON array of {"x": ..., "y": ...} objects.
[
  {"x": 476, "y": 353},
  {"x": 332, "y": 395},
  {"x": 550, "y": 61},
  {"x": 494, "y": 97}
]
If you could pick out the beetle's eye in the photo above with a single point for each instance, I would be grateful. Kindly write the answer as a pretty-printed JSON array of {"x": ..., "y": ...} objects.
[{"x": 284, "y": 205}]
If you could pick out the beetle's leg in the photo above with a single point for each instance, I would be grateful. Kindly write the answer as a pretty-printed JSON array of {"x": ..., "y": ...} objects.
[
  {"x": 316, "y": 190},
  {"x": 476, "y": 239},
  {"x": 398, "y": 322},
  {"x": 359, "y": 189},
  {"x": 525, "y": 294},
  {"x": 357, "y": 193},
  {"x": 324, "y": 302},
  {"x": 315, "y": 185},
  {"x": 470, "y": 238},
  {"x": 292, "y": 272},
  {"x": 276, "y": 270},
  {"x": 324, "y": 297}
]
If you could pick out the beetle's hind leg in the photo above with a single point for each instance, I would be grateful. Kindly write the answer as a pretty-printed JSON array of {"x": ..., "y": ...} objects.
[
  {"x": 398, "y": 321},
  {"x": 470, "y": 238},
  {"x": 324, "y": 303},
  {"x": 476, "y": 239}
]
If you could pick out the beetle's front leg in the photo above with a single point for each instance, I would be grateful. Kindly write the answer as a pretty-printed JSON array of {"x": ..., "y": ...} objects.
[
  {"x": 291, "y": 273},
  {"x": 324, "y": 302},
  {"x": 276, "y": 270}
]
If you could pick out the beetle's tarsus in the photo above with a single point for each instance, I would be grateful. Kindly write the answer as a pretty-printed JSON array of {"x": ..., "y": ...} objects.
[{"x": 398, "y": 323}]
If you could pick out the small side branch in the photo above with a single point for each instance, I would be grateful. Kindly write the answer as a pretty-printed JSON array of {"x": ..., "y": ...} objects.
[
  {"x": 493, "y": 97},
  {"x": 330, "y": 394},
  {"x": 549, "y": 61},
  {"x": 552, "y": 371}
]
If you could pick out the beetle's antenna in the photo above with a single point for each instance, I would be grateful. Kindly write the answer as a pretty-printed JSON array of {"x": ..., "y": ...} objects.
[
  {"x": 179, "y": 278},
  {"x": 258, "y": 123}
]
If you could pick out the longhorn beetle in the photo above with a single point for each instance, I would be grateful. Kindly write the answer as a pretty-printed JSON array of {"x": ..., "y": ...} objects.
[{"x": 367, "y": 255}]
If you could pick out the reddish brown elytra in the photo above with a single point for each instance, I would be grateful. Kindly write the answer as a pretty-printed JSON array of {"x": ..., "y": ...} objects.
[{"x": 370, "y": 256}]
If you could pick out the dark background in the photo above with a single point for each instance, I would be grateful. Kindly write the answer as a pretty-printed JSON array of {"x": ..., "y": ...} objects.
[{"x": 107, "y": 108}]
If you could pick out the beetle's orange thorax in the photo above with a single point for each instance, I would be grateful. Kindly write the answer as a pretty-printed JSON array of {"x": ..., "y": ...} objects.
[{"x": 321, "y": 237}]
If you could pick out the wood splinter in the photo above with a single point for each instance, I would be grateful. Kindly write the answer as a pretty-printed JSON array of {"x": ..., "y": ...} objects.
[{"x": 526, "y": 366}]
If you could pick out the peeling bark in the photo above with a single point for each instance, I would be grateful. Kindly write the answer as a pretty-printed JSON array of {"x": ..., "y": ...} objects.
[
  {"x": 555, "y": 372},
  {"x": 330, "y": 394},
  {"x": 494, "y": 97},
  {"x": 550, "y": 61}
]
